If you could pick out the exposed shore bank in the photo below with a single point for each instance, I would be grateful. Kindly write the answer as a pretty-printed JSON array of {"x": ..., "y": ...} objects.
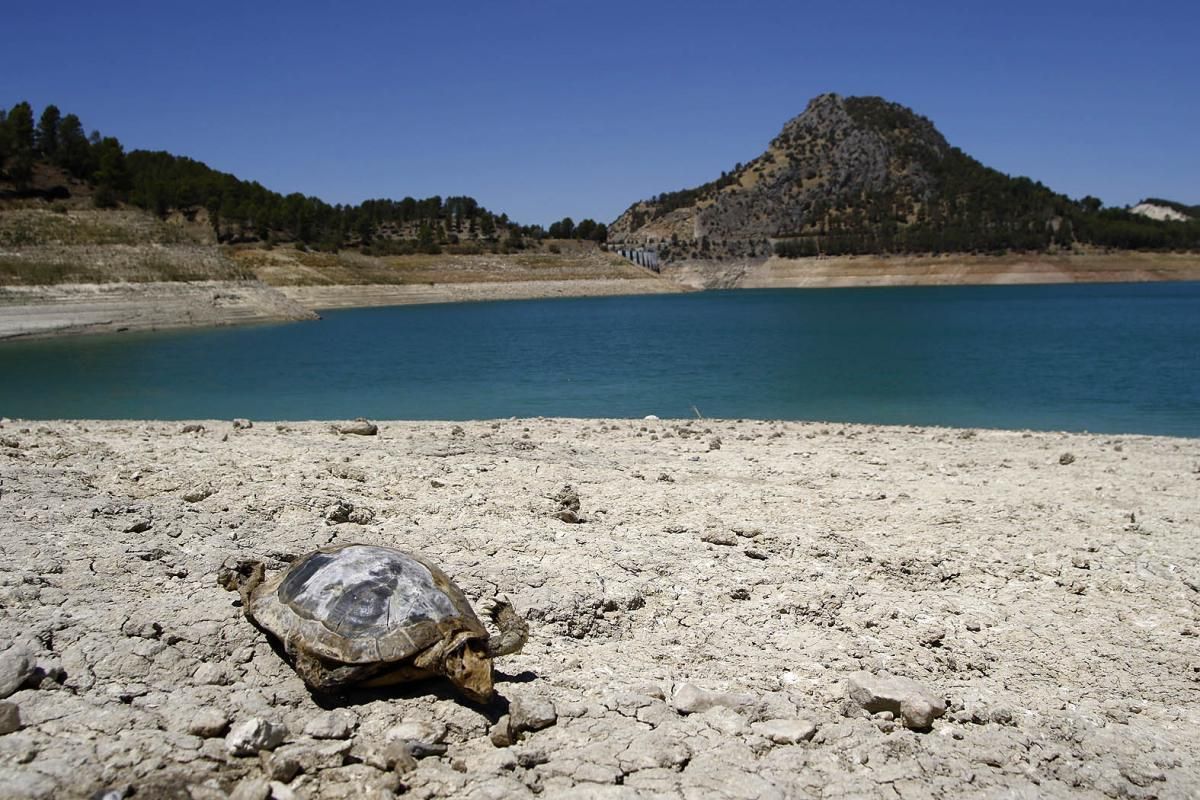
[
  {"x": 1046, "y": 585},
  {"x": 945, "y": 270},
  {"x": 68, "y": 309},
  {"x": 296, "y": 286}
]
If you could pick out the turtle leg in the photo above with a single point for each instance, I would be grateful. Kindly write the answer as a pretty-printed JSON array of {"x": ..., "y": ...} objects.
[
  {"x": 324, "y": 676},
  {"x": 514, "y": 631}
]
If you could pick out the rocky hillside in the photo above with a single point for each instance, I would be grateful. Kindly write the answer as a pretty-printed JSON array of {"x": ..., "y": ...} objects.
[{"x": 854, "y": 175}]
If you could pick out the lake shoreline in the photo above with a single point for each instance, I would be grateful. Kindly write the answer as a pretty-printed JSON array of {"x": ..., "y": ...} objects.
[
  {"x": 75, "y": 309},
  {"x": 1042, "y": 584}
]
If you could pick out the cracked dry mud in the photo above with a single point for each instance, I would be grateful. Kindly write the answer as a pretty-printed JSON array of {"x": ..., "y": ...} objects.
[{"x": 1054, "y": 606}]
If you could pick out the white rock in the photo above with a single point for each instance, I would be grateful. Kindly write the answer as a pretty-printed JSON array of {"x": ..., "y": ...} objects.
[
  {"x": 691, "y": 699},
  {"x": 253, "y": 788},
  {"x": 207, "y": 723},
  {"x": 725, "y": 720},
  {"x": 914, "y": 703},
  {"x": 253, "y": 735},
  {"x": 785, "y": 731},
  {"x": 10, "y": 718},
  {"x": 415, "y": 731},
  {"x": 531, "y": 714},
  {"x": 16, "y": 666},
  {"x": 336, "y": 724}
]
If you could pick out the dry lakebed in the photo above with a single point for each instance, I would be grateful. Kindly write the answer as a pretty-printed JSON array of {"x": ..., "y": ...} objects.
[{"x": 725, "y": 609}]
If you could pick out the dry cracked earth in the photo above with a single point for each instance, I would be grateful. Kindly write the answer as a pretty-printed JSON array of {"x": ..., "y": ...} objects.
[{"x": 693, "y": 634}]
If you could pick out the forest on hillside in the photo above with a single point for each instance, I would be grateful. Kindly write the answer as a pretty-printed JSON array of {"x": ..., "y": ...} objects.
[{"x": 240, "y": 210}]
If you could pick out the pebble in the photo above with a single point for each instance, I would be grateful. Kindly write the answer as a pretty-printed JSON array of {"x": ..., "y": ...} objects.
[
  {"x": 415, "y": 731},
  {"x": 198, "y": 493},
  {"x": 914, "y": 703},
  {"x": 336, "y": 724},
  {"x": 253, "y": 735},
  {"x": 1066, "y": 458},
  {"x": 531, "y": 714},
  {"x": 208, "y": 723},
  {"x": 10, "y": 718},
  {"x": 140, "y": 525},
  {"x": 723, "y": 538},
  {"x": 785, "y": 731},
  {"x": 691, "y": 699},
  {"x": 360, "y": 427},
  {"x": 251, "y": 788},
  {"x": 725, "y": 720},
  {"x": 501, "y": 733},
  {"x": 16, "y": 667},
  {"x": 210, "y": 674}
]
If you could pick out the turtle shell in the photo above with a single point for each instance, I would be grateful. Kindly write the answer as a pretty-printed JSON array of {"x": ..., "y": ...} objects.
[{"x": 363, "y": 604}]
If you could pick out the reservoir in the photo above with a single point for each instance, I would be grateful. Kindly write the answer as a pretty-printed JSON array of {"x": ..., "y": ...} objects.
[{"x": 1115, "y": 358}]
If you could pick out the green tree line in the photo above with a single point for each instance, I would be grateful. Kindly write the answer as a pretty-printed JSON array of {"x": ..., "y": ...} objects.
[
  {"x": 242, "y": 210},
  {"x": 587, "y": 229}
]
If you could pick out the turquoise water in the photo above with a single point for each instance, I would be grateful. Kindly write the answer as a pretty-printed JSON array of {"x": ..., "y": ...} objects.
[{"x": 1109, "y": 358}]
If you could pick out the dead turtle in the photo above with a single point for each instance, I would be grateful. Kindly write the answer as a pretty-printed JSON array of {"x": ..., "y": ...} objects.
[{"x": 371, "y": 615}]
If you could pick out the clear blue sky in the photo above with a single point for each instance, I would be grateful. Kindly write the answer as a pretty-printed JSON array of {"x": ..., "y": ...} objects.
[{"x": 546, "y": 109}]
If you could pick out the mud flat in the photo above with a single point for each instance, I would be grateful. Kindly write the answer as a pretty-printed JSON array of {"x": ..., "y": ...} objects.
[
  {"x": 694, "y": 636},
  {"x": 64, "y": 309}
]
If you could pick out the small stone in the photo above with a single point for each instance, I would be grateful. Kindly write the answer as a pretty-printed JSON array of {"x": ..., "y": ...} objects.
[
  {"x": 500, "y": 733},
  {"x": 723, "y": 538},
  {"x": 725, "y": 720},
  {"x": 1066, "y": 458},
  {"x": 740, "y": 593},
  {"x": 338, "y": 513},
  {"x": 140, "y": 525},
  {"x": 208, "y": 723},
  {"x": 531, "y": 714},
  {"x": 281, "y": 791},
  {"x": 254, "y": 735},
  {"x": 415, "y": 731},
  {"x": 251, "y": 788},
  {"x": 279, "y": 766},
  {"x": 360, "y": 427},
  {"x": 210, "y": 674},
  {"x": 691, "y": 699},
  {"x": 398, "y": 757},
  {"x": 914, "y": 703},
  {"x": 567, "y": 515},
  {"x": 757, "y": 555},
  {"x": 311, "y": 755},
  {"x": 336, "y": 724},
  {"x": 242, "y": 424},
  {"x": 785, "y": 731},
  {"x": 192, "y": 428},
  {"x": 10, "y": 718},
  {"x": 198, "y": 493},
  {"x": 361, "y": 516},
  {"x": 113, "y": 793},
  {"x": 16, "y": 667}
]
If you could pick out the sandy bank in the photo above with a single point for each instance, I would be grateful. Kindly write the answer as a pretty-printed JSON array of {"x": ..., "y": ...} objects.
[
  {"x": 320, "y": 297},
  {"x": 27, "y": 311},
  {"x": 1054, "y": 601}
]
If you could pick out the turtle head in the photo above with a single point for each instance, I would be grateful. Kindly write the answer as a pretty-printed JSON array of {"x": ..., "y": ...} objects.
[
  {"x": 470, "y": 669},
  {"x": 241, "y": 576}
]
